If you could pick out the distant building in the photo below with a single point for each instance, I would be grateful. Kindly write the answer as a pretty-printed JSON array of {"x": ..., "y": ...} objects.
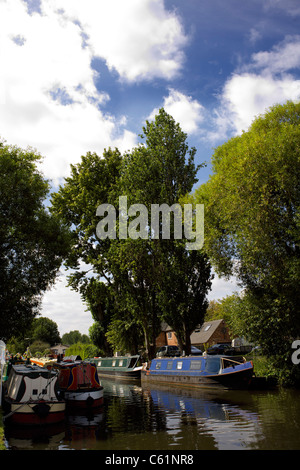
[{"x": 211, "y": 332}]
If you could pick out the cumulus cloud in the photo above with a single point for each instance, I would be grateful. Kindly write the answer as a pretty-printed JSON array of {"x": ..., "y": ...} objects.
[
  {"x": 48, "y": 95},
  {"x": 139, "y": 39},
  {"x": 184, "y": 109}
]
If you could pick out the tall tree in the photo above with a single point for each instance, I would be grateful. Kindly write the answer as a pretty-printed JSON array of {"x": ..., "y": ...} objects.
[
  {"x": 93, "y": 182},
  {"x": 128, "y": 256},
  {"x": 166, "y": 281},
  {"x": 45, "y": 330},
  {"x": 32, "y": 242},
  {"x": 252, "y": 222}
]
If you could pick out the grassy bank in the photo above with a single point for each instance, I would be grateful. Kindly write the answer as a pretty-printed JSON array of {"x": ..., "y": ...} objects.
[{"x": 2, "y": 446}]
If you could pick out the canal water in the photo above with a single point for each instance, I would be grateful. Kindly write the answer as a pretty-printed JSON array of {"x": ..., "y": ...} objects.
[{"x": 137, "y": 417}]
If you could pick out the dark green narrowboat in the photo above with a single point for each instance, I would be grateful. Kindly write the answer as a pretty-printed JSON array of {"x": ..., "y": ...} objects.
[{"x": 119, "y": 366}]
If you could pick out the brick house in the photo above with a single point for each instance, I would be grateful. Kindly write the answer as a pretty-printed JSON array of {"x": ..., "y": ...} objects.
[
  {"x": 210, "y": 333},
  {"x": 166, "y": 336}
]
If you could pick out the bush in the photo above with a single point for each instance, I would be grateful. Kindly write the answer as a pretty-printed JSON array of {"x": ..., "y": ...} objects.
[{"x": 82, "y": 350}]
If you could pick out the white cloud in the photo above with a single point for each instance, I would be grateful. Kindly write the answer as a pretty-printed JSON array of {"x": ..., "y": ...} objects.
[
  {"x": 65, "y": 307},
  {"x": 48, "y": 95},
  {"x": 248, "y": 95},
  {"x": 283, "y": 57},
  {"x": 222, "y": 287},
  {"x": 184, "y": 109},
  {"x": 139, "y": 39},
  {"x": 255, "y": 87}
]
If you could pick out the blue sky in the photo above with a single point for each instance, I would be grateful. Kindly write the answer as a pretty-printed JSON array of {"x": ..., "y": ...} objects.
[{"x": 82, "y": 75}]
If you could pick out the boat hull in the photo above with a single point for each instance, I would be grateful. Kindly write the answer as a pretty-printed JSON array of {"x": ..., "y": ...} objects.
[
  {"x": 216, "y": 372},
  {"x": 123, "y": 367},
  {"x": 126, "y": 374},
  {"x": 240, "y": 381},
  {"x": 35, "y": 413}
]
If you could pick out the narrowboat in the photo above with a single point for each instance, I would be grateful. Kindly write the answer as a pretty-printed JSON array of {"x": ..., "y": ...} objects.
[
  {"x": 78, "y": 383},
  {"x": 32, "y": 396},
  {"x": 218, "y": 372},
  {"x": 121, "y": 366}
]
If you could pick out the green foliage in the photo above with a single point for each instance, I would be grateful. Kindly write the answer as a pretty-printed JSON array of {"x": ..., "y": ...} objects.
[
  {"x": 2, "y": 445},
  {"x": 123, "y": 288},
  {"x": 39, "y": 348},
  {"x": 32, "y": 242},
  {"x": 45, "y": 330},
  {"x": 74, "y": 337},
  {"x": 82, "y": 350}
]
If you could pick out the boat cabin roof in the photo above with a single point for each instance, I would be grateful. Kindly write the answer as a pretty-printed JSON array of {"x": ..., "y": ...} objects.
[
  {"x": 31, "y": 370},
  {"x": 126, "y": 362},
  {"x": 207, "y": 364}
]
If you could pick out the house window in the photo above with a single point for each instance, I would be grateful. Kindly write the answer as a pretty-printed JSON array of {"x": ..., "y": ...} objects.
[
  {"x": 207, "y": 328},
  {"x": 169, "y": 335}
]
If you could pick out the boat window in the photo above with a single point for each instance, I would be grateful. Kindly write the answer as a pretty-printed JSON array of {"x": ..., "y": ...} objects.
[
  {"x": 158, "y": 365},
  {"x": 169, "y": 365},
  {"x": 121, "y": 363},
  {"x": 99, "y": 363},
  {"x": 196, "y": 365},
  {"x": 113, "y": 363},
  {"x": 179, "y": 365},
  {"x": 133, "y": 362}
]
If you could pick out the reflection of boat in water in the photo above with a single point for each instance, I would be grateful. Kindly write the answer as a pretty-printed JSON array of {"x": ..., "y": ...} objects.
[
  {"x": 27, "y": 437},
  {"x": 79, "y": 383},
  {"x": 31, "y": 396},
  {"x": 211, "y": 410},
  {"x": 123, "y": 389},
  {"x": 223, "y": 372},
  {"x": 121, "y": 366}
]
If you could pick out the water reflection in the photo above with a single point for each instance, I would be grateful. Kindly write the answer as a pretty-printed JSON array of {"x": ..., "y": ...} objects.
[
  {"x": 223, "y": 424},
  {"x": 135, "y": 417}
]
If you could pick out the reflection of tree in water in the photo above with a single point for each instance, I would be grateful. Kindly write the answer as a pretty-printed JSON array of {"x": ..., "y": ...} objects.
[{"x": 134, "y": 413}]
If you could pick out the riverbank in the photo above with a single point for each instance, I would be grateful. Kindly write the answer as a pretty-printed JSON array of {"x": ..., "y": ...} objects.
[{"x": 2, "y": 446}]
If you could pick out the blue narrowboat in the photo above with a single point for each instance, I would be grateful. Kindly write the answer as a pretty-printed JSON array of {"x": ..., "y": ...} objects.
[{"x": 218, "y": 372}]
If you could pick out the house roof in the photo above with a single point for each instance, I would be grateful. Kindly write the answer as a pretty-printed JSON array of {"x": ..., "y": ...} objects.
[{"x": 206, "y": 331}]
